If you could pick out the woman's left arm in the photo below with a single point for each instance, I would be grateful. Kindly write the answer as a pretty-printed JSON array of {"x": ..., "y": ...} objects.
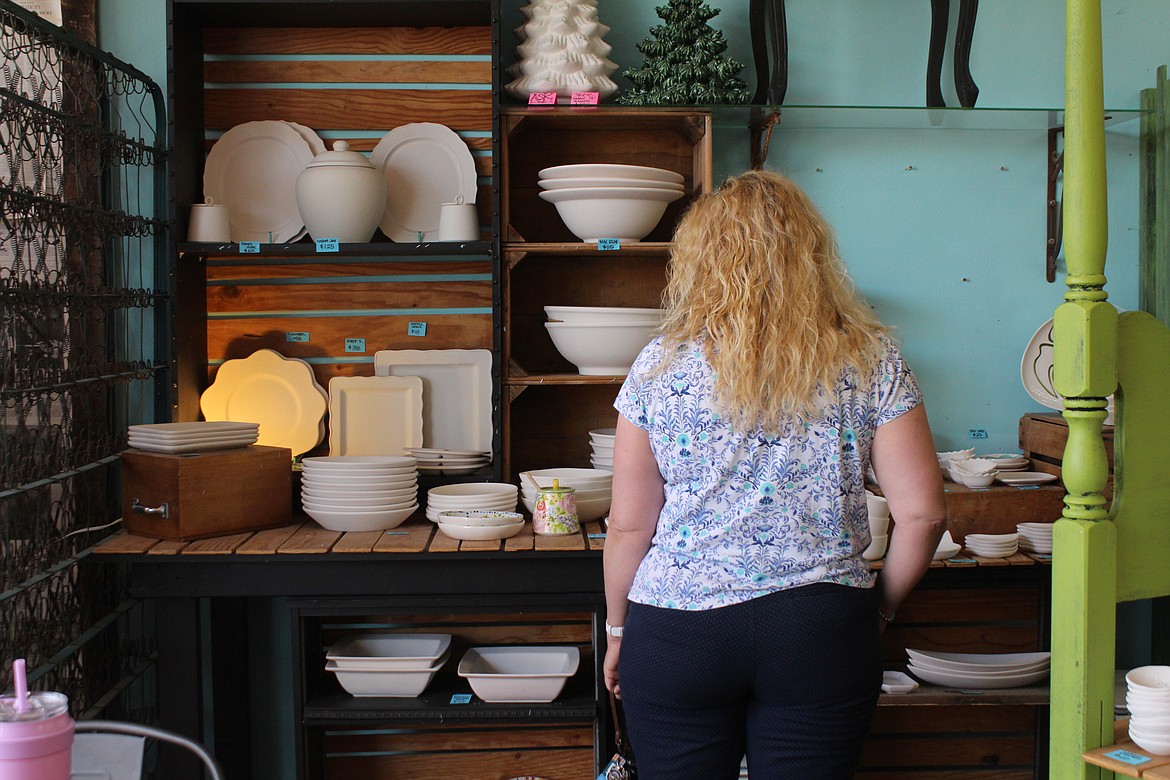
[{"x": 638, "y": 497}]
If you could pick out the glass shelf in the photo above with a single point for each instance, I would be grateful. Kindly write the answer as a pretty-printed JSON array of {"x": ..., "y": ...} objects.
[{"x": 804, "y": 117}]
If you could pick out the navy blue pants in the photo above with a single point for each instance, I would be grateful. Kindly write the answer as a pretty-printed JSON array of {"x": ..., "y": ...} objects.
[{"x": 791, "y": 679}]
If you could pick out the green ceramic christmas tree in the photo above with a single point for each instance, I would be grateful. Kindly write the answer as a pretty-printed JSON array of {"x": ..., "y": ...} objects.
[{"x": 684, "y": 63}]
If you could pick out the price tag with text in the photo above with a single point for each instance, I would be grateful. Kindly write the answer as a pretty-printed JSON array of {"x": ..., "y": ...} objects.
[
  {"x": 328, "y": 245},
  {"x": 297, "y": 336},
  {"x": 461, "y": 698},
  {"x": 416, "y": 329},
  {"x": 249, "y": 247},
  {"x": 355, "y": 345},
  {"x": 542, "y": 99},
  {"x": 608, "y": 244},
  {"x": 1127, "y": 757},
  {"x": 583, "y": 99}
]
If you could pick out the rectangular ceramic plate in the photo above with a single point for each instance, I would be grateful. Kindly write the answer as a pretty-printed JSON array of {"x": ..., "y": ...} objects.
[
  {"x": 374, "y": 415},
  {"x": 457, "y": 393}
]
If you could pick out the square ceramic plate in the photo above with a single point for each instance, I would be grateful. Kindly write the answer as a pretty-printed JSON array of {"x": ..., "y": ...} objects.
[
  {"x": 457, "y": 393},
  {"x": 375, "y": 415}
]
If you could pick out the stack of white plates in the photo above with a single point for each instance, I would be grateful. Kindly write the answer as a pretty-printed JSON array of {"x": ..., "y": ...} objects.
[
  {"x": 388, "y": 664},
  {"x": 1009, "y": 461},
  {"x": 979, "y": 670},
  {"x": 442, "y": 462},
  {"x": 467, "y": 496},
  {"x": 593, "y": 489},
  {"x": 1148, "y": 699},
  {"x": 1035, "y": 537},
  {"x": 992, "y": 545},
  {"x": 601, "y": 440},
  {"x": 598, "y": 201},
  {"x": 192, "y": 436},
  {"x": 359, "y": 492}
]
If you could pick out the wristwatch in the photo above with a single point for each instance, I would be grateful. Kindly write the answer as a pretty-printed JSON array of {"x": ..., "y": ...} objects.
[{"x": 614, "y": 630}]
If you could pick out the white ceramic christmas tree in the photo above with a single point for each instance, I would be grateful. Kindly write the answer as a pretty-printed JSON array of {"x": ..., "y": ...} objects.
[{"x": 562, "y": 51}]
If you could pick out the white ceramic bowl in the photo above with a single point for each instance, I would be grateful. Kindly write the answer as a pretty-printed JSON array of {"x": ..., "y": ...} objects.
[
  {"x": 601, "y": 463},
  {"x": 624, "y": 213},
  {"x": 506, "y": 504},
  {"x": 1154, "y": 679},
  {"x": 347, "y": 494},
  {"x": 398, "y": 683},
  {"x": 600, "y": 350},
  {"x": 976, "y": 480},
  {"x": 473, "y": 489},
  {"x": 953, "y": 455},
  {"x": 349, "y": 520},
  {"x": 606, "y": 181},
  {"x": 325, "y": 505},
  {"x": 578, "y": 170},
  {"x": 603, "y": 433},
  {"x": 1158, "y": 743},
  {"x": 485, "y": 518},
  {"x": 876, "y": 549},
  {"x": 582, "y": 479},
  {"x": 579, "y": 494},
  {"x": 973, "y": 465},
  {"x": 476, "y": 533},
  {"x": 606, "y": 315},
  {"x": 378, "y": 650},
  {"x": 518, "y": 673}
]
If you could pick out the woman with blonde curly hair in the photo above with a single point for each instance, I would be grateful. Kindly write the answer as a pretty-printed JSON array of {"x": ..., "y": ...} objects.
[{"x": 741, "y": 616}]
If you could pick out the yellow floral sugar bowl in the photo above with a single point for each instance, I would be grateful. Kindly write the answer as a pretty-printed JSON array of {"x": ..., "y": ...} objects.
[{"x": 555, "y": 511}]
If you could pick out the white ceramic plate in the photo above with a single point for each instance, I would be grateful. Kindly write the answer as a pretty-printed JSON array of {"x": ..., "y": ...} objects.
[
  {"x": 1025, "y": 477},
  {"x": 1017, "y": 671},
  {"x": 277, "y": 392},
  {"x": 375, "y": 415},
  {"x": 425, "y": 165},
  {"x": 975, "y": 662},
  {"x": 457, "y": 396},
  {"x": 970, "y": 680},
  {"x": 358, "y": 498},
  {"x": 450, "y": 471},
  {"x": 349, "y": 463},
  {"x": 440, "y": 452},
  {"x": 478, "y": 533},
  {"x": 606, "y": 181},
  {"x": 347, "y": 521},
  {"x": 605, "y": 170},
  {"x": 191, "y": 430},
  {"x": 201, "y": 446},
  {"x": 252, "y": 169}
]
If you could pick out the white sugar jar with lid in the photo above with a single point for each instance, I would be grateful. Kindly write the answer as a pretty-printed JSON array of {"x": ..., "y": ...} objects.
[{"x": 341, "y": 195}]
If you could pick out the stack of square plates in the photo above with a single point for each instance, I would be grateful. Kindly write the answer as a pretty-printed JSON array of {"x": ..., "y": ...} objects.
[
  {"x": 1035, "y": 537},
  {"x": 442, "y": 462},
  {"x": 187, "y": 437},
  {"x": 979, "y": 670}
]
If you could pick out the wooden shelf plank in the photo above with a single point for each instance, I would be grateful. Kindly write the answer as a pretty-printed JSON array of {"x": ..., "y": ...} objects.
[
  {"x": 268, "y": 542},
  {"x": 1121, "y": 758}
]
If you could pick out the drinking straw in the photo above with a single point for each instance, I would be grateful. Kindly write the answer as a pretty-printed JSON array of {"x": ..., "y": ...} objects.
[{"x": 20, "y": 681}]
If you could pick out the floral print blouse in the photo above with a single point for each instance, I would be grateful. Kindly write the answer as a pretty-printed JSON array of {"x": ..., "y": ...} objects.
[{"x": 749, "y": 513}]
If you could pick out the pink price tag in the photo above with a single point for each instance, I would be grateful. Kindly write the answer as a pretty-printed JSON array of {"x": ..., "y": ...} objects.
[
  {"x": 583, "y": 99},
  {"x": 542, "y": 99}
]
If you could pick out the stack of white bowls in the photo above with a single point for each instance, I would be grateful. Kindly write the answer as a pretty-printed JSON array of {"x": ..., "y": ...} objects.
[
  {"x": 1035, "y": 537},
  {"x": 879, "y": 526},
  {"x": 601, "y": 440},
  {"x": 359, "y": 492},
  {"x": 598, "y": 201},
  {"x": 593, "y": 489},
  {"x": 1147, "y": 698},
  {"x": 485, "y": 496},
  {"x": 479, "y": 525},
  {"x": 945, "y": 459},
  {"x": 601, "y": 340},
  {"x": 992, "y": 545},
  {"x": 378, "y": 664},
  {"x": 973, "y": 472}
]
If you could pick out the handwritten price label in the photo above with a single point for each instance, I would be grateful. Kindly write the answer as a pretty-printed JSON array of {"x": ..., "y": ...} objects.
[
  {"x": 416, "y": 329},
  {"x": 1127, "y": 757},
  {"x": 608, "y": 244},
  {"x": 328, "y": 245},
  {"x": 355, "y": 345},
  {"x": 249, "y": 247},
  {"x": 296, "y": 336},
  {"x": 583, "y": 99},
  {"x": 461, "y": 698},
  {"x": 542, "y": 99}
]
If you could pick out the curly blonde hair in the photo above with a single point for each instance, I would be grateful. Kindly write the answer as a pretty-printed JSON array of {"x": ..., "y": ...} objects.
[{"x": 755, "y": 273}]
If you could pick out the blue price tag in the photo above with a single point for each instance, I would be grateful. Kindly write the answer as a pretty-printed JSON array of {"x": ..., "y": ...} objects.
[
  {"x": 328, "y": 245},
  {"x": 1027, "y": 487},
  {"x": 416, "y": 329},
  {"x": 596, "y": 536},
  {"x": 1127, "y": 757},
  {"x": 604, "y": 244},
  {"x": 355, "y": 345},
  {"x": 249, "y": 247},
  {"x": 299, "y": 337},
  {"x": 461, "y": 698}
]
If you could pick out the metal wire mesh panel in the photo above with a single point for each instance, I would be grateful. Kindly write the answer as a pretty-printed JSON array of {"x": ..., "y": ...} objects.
[{"x": 83, "y": 314}]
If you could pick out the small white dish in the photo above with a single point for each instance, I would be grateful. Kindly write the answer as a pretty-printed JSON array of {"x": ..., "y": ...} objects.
[
  {"x": 479, "y": 533},
  {"x": 519, "y": 673},
  {"x": 898, "y": 682}
]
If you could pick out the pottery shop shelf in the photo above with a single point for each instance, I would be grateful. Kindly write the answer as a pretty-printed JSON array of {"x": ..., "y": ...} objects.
[{"x": 307, "y": 250}]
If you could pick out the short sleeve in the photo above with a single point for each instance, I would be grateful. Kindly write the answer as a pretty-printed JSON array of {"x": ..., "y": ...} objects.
[
  {"x": 896, "y": 391},
  {"x": 633, "y": 400}
]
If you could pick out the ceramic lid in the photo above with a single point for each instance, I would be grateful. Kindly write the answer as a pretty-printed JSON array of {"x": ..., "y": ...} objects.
[{"x": 341, "y": 155}]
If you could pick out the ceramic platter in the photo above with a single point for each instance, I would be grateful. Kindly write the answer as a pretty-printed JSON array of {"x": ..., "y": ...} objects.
[
  {"x": 1036, "y": 372},
  {"x": 252, "y": 169},
  {"x": 457, "y": 394},
  {"x": 375, "y": 415},
  {"x": 1025, "y": 477},
  {"x": 425, "y": 165},
  {"x": 277, "y": 392}
]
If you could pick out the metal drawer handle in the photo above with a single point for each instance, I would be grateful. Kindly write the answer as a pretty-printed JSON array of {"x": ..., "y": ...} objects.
[{"x": 163, "y": 510}]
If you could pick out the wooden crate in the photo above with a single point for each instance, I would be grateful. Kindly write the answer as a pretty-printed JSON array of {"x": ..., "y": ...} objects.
[
  {"x": 547, "y": 426},
  {"x": 1043, "y": 437},
  {"x": 533, "y": 139}
]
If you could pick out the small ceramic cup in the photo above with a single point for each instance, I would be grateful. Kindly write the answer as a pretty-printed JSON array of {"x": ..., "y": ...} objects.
[
  {"x": 209, "y": 223},
  {"x": 458, "y": 221}
]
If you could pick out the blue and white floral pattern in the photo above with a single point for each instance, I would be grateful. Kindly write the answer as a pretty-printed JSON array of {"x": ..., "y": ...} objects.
[{"x": 749, "y": 513}]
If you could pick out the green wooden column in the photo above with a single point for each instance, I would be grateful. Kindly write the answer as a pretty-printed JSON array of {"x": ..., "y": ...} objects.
[{"x": 1085, "y": 373}]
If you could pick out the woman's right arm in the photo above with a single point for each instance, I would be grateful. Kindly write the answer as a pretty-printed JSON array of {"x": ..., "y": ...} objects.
[{"x": 905, "y": 463}]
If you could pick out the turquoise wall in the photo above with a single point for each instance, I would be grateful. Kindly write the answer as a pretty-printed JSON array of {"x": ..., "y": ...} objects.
[{"x": 943, "y": 229}]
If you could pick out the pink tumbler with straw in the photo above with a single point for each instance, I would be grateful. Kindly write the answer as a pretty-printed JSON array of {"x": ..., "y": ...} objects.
[{"x": 36, "y": 732}]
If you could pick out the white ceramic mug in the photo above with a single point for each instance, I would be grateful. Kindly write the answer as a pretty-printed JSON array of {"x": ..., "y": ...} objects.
[
  {"x": 209, "y": 223},
  {"x": 458, "y": 221}
]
